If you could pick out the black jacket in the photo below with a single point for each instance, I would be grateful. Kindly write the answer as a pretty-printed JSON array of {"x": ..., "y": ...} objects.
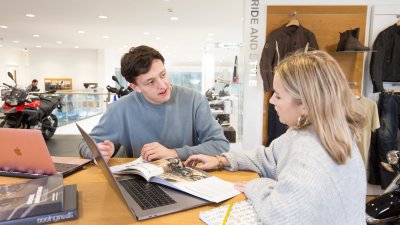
[
  {"x": 280, "y": 42},
  {"x": 385, "y": 60}
]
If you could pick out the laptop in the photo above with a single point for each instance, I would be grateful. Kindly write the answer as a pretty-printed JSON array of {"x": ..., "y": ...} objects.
[
  {"x": 145, "y": 200},
  {"x": 24, "y": 153}
]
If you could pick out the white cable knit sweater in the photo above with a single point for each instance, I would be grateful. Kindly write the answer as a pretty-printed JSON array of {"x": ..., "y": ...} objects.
[{"x": 301, "y": 184}]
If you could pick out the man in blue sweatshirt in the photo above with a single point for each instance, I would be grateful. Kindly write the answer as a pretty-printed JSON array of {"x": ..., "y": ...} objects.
[{"x": 157, "y": 120}]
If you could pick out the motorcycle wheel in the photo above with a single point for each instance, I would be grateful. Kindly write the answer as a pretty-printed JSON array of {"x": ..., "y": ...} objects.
[
  {"x": 52, "y": 121},
  {"x": 4, "y": 124}
]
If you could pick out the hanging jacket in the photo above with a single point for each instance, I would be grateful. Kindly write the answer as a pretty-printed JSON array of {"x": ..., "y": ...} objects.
[
  {"x": 385, "y": 60},
  {"x": 280, "y": 42}
]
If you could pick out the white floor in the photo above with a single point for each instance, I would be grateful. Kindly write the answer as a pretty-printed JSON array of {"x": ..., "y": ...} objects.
[{"x": 86, "y": 124}]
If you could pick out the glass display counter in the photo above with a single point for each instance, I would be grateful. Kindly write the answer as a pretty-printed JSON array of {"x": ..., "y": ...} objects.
[{"x": 78, "y": 105}]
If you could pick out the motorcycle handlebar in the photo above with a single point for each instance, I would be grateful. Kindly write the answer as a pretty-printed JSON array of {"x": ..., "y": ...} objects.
[{"x": 7, "y": 85}]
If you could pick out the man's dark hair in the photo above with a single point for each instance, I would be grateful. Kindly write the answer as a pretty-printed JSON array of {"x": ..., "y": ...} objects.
[
  {"x": 138, "y": 61},
  {"x": 34, "y": 81}
]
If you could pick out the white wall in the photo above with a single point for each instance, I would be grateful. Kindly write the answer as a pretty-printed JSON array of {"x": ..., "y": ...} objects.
[
  {"x": 81, "y": 65},
  {"x": 10, "y": 60}
]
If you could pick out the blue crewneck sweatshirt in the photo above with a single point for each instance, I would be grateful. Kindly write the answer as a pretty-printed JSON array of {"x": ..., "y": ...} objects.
[{"x": 184, "y": 123}]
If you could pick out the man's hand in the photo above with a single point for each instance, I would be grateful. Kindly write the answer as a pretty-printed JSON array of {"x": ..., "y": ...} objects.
[
  {"x": 107, "y": 149},
  {"x": 155, "y": 150}
]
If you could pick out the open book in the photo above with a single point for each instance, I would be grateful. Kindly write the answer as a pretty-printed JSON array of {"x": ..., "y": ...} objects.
[{"x": 171, "y": 172}]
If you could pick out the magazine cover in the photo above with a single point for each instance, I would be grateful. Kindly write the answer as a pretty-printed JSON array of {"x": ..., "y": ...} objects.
[{"x": 30, "y": 198}]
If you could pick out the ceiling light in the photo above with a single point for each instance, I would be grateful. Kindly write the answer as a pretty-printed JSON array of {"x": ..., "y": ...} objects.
[
  {"x": 103, "y": 17},
  {"x": 76, "y": 46},
  {"x": 3, "y": 26},
  {"x": 105, "y": 36},
  {"x": 36, "y": 35},
  {"x": 29, "y": 15},
  {"x": 146, "y": 33},
  {"x": 59, "y": 42},
  {"x": 16, "y": 41},
  {"x": 38, "y": 46},
  {"x": 173, "y": 18},
  {"x": 81, "y": 31},
  {"x": 158, "y": 38},
  {"x": 1, "y": 46}
]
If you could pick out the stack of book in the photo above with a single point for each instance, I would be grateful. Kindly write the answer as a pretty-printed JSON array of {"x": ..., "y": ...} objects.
[{"x": 39, "y": 201}]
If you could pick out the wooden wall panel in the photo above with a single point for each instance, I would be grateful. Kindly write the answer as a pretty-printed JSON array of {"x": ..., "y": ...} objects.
[{"x": 325, "y": 22}]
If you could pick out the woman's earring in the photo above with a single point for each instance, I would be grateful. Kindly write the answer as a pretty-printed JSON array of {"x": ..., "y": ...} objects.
[{"x": 302, "y": 121}]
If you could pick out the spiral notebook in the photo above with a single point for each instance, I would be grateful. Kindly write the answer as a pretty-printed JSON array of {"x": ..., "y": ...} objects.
[{"x": 242, "y": 213}]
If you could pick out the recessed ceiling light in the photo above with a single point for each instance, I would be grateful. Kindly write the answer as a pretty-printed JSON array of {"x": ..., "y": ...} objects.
[
  {"x": 3, "y": 26},
  {"x": 36, "y": 35},
  {"x": 16, "y": 41},
  {"x": 158, "y": 38},
  {"x": 173, "y": 18},
  {"x": 103, "y": 17},
  {"x": 105, "y": 36},
  {"x": 38, "y": 46},
  {"x": 81, "y": 31},
  {"x": 29, "y": 15},
  {"x": 59, "y": 42},
  {"x": 1, "y": 46},
  {"x": 76, "y": 46},
  {"x": 146, "y": 33}
]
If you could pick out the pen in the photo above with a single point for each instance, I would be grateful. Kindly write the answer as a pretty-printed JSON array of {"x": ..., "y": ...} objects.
[{"x": 227, "y": 213}]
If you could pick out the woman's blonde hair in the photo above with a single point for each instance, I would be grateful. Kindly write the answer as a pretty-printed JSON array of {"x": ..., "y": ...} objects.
[{"x": 315, "y": 79}]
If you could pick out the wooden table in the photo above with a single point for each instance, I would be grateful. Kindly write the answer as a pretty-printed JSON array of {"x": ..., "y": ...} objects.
[{"x": 98, "y": 204}]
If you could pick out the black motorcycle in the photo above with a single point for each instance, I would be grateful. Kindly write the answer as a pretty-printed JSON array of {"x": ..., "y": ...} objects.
[
  {"x": 121, "y": 91},
  {"x": 385, "y": 209},
  {"x": 26, "y": 110}
]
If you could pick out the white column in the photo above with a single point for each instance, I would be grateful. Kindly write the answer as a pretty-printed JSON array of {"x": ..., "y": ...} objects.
[{"x": 208, "y": 70}]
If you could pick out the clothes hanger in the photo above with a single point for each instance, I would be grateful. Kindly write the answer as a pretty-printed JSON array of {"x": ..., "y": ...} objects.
[{"x": 293, "y": 21}]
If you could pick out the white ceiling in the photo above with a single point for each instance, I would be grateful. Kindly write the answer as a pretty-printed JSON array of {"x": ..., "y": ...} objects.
[{"x": 182, "y": 41}]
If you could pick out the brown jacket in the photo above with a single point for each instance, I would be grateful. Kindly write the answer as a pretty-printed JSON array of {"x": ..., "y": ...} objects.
[{"x": 280, "y": 42}]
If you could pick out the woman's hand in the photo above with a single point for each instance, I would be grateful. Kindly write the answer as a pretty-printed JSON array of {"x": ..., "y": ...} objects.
[
  {"x": 207, "y": 162},
  {"x": 240, "y": 186}
]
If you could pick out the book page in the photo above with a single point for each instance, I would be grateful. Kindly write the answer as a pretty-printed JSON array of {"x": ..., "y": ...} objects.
[
  {"x": 142, "y": 167},
  {"x": 212, "y": 189}
]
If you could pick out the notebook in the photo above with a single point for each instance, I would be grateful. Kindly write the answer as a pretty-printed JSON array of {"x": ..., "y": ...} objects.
[
  {"x": 144, "y": 200},
  {"x": 24, "y": 153},
  {"x": 242, "y": 213}
]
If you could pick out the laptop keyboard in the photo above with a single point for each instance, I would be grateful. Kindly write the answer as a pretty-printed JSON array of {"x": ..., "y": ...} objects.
[
  {"x": 146, "y": 194},
  {"x": 61, "y": 167}
]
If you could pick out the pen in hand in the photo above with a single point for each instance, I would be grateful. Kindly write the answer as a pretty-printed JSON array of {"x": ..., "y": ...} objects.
[{"x": 227, "y": 213}]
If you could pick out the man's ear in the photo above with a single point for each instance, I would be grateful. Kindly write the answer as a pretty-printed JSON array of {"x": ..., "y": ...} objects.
[{"x": 135, "y": 87}]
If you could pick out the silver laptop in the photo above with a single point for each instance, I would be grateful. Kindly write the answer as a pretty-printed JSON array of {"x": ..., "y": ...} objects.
[
  {"x": 24, "y": 153},
  {"x": 144, "y": 200}
]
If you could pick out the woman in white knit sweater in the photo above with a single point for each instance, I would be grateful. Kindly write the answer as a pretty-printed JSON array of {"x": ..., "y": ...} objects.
[{"x": 312, "y": 174}]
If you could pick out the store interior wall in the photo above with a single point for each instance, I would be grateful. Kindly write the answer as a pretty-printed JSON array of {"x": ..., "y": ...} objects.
[{"x": 98, "y": 65}]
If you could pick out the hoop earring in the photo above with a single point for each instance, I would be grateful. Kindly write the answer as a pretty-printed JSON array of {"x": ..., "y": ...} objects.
[{"x": 302, "y": 122}]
